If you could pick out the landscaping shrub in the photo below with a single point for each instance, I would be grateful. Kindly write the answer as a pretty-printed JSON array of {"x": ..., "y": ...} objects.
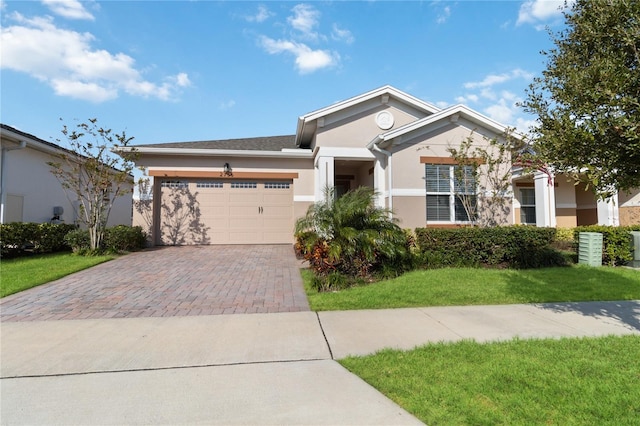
[
  {"x": 122, "y": 238},
  {"x": 52, "y": 237},
  {"x": 78, "y": 240},
  {"x": 352, "y": 237},
  {"x": 22, "y": 238},
  {"x": 616, "y": 242},
  {"x": 117, "y": 239},
  {"x": 508, "y": 246}
]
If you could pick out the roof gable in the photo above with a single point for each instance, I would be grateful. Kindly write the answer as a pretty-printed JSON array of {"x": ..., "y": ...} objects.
[
  {"x": 308, "y": 123},
  {"x": 436, "y": 121}
]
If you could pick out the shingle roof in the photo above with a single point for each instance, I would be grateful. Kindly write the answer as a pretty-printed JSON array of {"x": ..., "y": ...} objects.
[
  {"x": 35, "y": 138},
  {"x": 265, "y": 143}
]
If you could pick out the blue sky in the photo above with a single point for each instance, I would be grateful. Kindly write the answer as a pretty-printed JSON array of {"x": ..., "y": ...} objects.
[{"x": 169, "y": 71}]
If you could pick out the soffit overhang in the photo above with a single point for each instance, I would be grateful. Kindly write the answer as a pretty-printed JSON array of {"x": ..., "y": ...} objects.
[{"x": 156, "y": 151}]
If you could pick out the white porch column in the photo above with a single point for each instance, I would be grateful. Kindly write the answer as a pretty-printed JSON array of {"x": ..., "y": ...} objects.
[
  {"x": 325, "y": 176},
  {"x": 545, "y": 200},
  {"x": 608, "y": 211},
  {"x": 380, "y": 179}
]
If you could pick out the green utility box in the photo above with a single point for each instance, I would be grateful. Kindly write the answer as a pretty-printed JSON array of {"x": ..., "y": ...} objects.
[
  {"x": 590, "y": 248},
  {"x": 635, "y": 245}
]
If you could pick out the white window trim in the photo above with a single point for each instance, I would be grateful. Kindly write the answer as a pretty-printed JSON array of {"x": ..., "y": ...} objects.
[
  {"x": 452, "y": 199},
  {"x": 523, "y": 205}
]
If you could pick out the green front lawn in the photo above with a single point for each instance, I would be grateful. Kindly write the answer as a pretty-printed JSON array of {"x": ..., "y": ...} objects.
[
  {"x": 467, "y": 286},
  {"x": 25, "y": 272},
  {"x": 587, "y": 381}
]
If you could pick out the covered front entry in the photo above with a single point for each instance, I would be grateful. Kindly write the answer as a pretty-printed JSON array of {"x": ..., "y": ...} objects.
[{"x": 226, "y": 211}]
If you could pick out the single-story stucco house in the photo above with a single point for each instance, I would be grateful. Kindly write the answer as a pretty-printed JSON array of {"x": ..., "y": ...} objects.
[
  {"x": 31, "y": 193},
  {"x": 244, "y": 191}
]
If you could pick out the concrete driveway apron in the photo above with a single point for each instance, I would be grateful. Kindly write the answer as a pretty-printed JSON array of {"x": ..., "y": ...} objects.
[{"x": 170, "y": 281}]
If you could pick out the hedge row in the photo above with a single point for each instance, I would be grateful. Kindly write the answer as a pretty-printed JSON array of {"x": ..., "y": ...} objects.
[
  {"x": 120, "y": 238},
  {"x": 18, "y": 239},
  {"x": 508, "y": 246},
  {"x": 22, "y": 238},
  {"x": 616, "y": 242}
]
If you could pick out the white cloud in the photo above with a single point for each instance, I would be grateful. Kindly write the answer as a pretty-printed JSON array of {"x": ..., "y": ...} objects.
[
  {"x": 305, "y": 20},
  {"x": 261, "y": 15},
  {"x": 497, "y": 96},
  {"x": 227, "y": 105},
  {"x": 303, "y": 24},
  {"x": 307, "y": 60},
  {"x": 505, "y": 110},
  {"x": 443, "y": 15},
  {"x": 66, "y": 60},
  {"x": 71, "y": 9},
  {"x": 81, "y": 90},
  {"x": 493, "y": 79},
  {"x": 182, "y": 80},
  {"x": 500, "y": 111},
  {"x": 535, "y": 11},
  {"x": 345, "y": 35},
  {"x": 524, "y": 125},
  {"x": 469, "y": 98}
]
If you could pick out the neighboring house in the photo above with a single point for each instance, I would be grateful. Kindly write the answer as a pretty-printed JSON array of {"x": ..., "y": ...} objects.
[
  {"x": 30, "y": 192},
  {"x": 242, "y": 191}
]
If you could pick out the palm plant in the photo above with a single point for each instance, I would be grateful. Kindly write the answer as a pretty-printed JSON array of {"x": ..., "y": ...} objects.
[{"x": 350, "y": 235}]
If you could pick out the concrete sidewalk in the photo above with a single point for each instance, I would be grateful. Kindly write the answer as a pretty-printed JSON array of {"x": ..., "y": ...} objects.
[{"x": 249, "y": 369}]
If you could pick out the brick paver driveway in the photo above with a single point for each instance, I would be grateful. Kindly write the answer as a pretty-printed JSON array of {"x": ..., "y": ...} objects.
[{"x": 170, "y": 281}]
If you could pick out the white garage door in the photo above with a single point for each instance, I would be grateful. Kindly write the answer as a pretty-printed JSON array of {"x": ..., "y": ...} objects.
[{"x": 223, "y": 211}]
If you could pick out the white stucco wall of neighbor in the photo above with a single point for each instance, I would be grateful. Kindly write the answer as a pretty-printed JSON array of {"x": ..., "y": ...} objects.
[{"x": 32, "y": 191}]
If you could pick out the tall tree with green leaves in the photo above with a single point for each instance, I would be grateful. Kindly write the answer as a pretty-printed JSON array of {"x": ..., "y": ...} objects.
[
  {"x": 93, "y": 176},
  {"x": 588, "y": 98}
]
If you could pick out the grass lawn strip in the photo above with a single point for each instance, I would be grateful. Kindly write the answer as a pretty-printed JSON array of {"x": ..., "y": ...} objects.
[
  {"x": 26, "y": 272},
  {"x": 468, "y": 286},
  {"x": 571, "y": 381}
]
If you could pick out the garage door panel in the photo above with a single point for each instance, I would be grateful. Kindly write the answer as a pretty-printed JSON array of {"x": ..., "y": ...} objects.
[
  {"x": 245, "y": 237},
  {"x": 239, "y": 212},
  {"x": 247, "y": 197},
  {"x": 244, "y": 211},
  {"x": 277, "y": 211},
  {"x": 277, "y": 224},
  {"x": 280, "y": 198}
]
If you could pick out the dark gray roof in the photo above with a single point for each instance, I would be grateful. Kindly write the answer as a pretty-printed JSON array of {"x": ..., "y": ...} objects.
[
  {"x": 35, "y": 138},
  {"x": 265, "y": 143}
]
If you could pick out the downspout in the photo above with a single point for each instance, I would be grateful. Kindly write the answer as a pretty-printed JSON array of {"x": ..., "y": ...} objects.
[
  {"x": 390, "y": 183},
  {"x": 3, "y": 179}
]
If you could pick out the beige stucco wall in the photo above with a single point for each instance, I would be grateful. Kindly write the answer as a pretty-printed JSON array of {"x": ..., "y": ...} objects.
[
  {"x": 566, "y": 204},
  {"x": 302, "y": 186},
  {"x": 565, "y": 192},
  {"x": 566, "y": 218},
  {"x": 585, "y": 199},
  {"x": 409, "y": 172},
  {"x": 629, "y": 202},
  {"x": 358, "y": 130},
  {"x": 29, "y": 179},
  {"x": 411, "y": 211}
]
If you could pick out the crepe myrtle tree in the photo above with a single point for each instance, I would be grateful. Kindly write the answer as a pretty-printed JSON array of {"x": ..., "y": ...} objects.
[
  {"x": 92, "y": 175},
  {"x": 482, "y": 177}
]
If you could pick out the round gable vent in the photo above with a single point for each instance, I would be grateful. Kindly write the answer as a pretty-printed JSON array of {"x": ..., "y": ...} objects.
[{"x": 385, "y": 120}]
